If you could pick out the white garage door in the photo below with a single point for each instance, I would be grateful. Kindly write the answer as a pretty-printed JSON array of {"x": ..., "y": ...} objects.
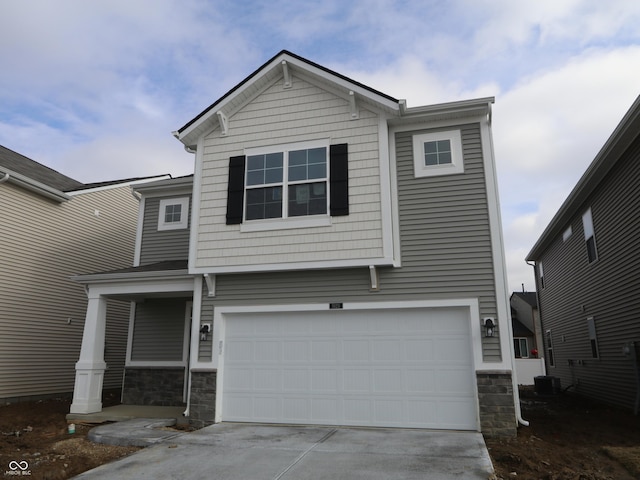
[{"x": 389, "y": 368}]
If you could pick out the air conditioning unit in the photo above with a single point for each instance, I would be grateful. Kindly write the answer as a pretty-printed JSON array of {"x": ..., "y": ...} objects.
[{"x": 546, "y": 385}]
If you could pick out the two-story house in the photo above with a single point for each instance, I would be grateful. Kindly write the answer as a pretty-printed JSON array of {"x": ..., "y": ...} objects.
[
  {"x": 335, "y": 259},
  {"x": 587, "y": 269},
  {"x": 52, "y": 227}
]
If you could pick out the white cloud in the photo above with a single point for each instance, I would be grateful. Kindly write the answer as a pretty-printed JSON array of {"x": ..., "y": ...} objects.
[
  {"x": 548, "y": 129},
  {"x": 94, "y": 89}
]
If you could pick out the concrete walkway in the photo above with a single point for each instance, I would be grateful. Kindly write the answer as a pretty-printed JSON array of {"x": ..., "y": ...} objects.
[
  {"x": 118, "y": 413},
  {"x": 246, "y": 452}
]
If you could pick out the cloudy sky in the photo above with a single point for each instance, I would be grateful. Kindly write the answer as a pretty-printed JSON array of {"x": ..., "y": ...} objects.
[{"x": 94, "y": 88}]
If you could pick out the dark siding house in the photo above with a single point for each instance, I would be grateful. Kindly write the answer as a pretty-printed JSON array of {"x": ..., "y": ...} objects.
[{"x": 587, "y": 268}]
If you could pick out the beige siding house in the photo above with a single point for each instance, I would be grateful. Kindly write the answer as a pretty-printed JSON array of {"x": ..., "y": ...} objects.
[
  {"x": 52, "y": 228},
  {"x": 344, "y": 265}
]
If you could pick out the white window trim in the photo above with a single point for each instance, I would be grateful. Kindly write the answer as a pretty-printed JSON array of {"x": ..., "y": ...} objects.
[
  {"x": 285, "y": 221},
  {"x": 567, "y": 234},
  {"x": 184, "y": 214},
  {"x": 525, "y": 353},
  {"x": 457, "y": 162}
]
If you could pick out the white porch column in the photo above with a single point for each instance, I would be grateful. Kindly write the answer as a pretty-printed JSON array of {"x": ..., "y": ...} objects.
[{"x": 87, "y": 393}]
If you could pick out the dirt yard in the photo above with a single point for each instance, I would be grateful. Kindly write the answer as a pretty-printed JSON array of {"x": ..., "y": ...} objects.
[{"x": 568, "y": 439}]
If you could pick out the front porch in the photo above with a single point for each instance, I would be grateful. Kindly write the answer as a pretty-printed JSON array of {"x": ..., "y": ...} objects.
[{"x": 155, "y": 381}]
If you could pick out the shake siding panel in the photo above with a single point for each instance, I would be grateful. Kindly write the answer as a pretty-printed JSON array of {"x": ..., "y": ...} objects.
[
  {"x": 604, "y": 289},
  {"x": 162, "y": 245},
  {"x": 41, "y": 310},
  {"x": 302, "y": 113},
  {"x": 445, "y": 248}
]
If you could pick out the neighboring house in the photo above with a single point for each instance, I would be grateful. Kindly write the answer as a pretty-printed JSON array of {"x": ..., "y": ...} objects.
[
  {"x": 587, "y": 268},
  {"x": 527, "y": 337},
  {"x": 526, "y": 324},
  {"x": 336, "y": 259},
  {"x": 52, "y": 227}
]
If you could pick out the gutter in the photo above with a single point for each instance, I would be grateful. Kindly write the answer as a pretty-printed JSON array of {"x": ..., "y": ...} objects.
[{"x": 35, "y": 186}]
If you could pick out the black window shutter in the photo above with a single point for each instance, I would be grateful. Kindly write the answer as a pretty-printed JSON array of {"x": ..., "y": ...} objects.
[
  {"x": 235, "y": 190},
  {"x": 339, "y": 180}
]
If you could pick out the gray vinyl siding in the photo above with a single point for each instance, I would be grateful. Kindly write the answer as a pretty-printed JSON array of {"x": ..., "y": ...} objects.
[
  {"x": 445, "y": 248},
  {"x": 158, "y": 332},
  {"x": 606, "y": 289},
  {"x": 115, "y": 344},
  {"x": 162, "y": 245},
  {"x": 42, "y": 311}
]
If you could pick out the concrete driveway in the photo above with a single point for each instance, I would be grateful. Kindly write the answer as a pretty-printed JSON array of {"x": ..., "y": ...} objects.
[{"x": 247, "y": 452}]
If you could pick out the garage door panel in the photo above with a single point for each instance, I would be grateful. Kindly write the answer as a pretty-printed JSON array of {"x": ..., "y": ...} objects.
[
  {"x": 419, "y": 350},
  {"x": 296, "y": 351},
  {"x": 356, "y": 380},
  {"x": 387, "y": 351},
  {"x": 239, "y": 351},
  {"x": 324, "y": 410},
  {"x": 389, "y": 380},
  {"x": 295, "y": 380},
  {"x": 454, "y": 382},
  {"x": 357, "y": 411},
  {"x": 421, "y": 381},
  {"x": 453, "y": 350},
  {"x": 324, "y": 381},
  {"x": 324, "y": 351},
  {"x": 267, "y": 351},
  {"x": 401, "y": 368}
]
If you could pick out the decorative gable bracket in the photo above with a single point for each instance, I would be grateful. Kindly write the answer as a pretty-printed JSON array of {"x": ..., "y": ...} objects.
[
  {"x": 224, "y": 123},
  {"x": 211, "y": 284},
  {"x": 288, "y": 83},
  {"x": 355, "y": 113}
]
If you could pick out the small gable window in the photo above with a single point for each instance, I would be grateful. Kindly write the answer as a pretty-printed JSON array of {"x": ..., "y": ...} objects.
[
  {"x": 173, "y": 214},
  {"x": 288, "y": 186},
  {"x": 437, "y": 153}
]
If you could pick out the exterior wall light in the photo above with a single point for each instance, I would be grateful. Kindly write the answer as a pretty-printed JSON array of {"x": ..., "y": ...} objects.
[{"x": 489, "y": 327}]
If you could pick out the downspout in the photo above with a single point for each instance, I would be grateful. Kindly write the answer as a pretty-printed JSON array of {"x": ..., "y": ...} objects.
[
  {"x": 514, "y": 381},
  {"x": 5, "y": 178}
]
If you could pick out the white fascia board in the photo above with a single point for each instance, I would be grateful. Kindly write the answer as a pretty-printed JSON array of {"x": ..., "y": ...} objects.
[
  {"x": 131, "y": 183},
  {"x": 168, "y": 186},
  {"x": 106, "y": 278},
  {"x": 283, "y": 267},
  {"x": 472, "y": 107},
  {"x": 141, "y": 287},
  {"x": 35, "y": 186},
  {"x": 341, "y": 82},
  {"x": 303, "y": 67}
]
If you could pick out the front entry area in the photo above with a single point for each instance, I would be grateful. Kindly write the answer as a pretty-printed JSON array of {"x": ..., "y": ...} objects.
[{"x": 404, "y": 367}]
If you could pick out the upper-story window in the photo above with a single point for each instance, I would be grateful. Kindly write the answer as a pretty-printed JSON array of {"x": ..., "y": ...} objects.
[
  {"x": 589, "y": 236},
  {"x": 288, "y": 186},
  {"x": 437, "y": 153},
  {"x": 287, "y": 183},
  {"x": 173, "y": 214}
]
